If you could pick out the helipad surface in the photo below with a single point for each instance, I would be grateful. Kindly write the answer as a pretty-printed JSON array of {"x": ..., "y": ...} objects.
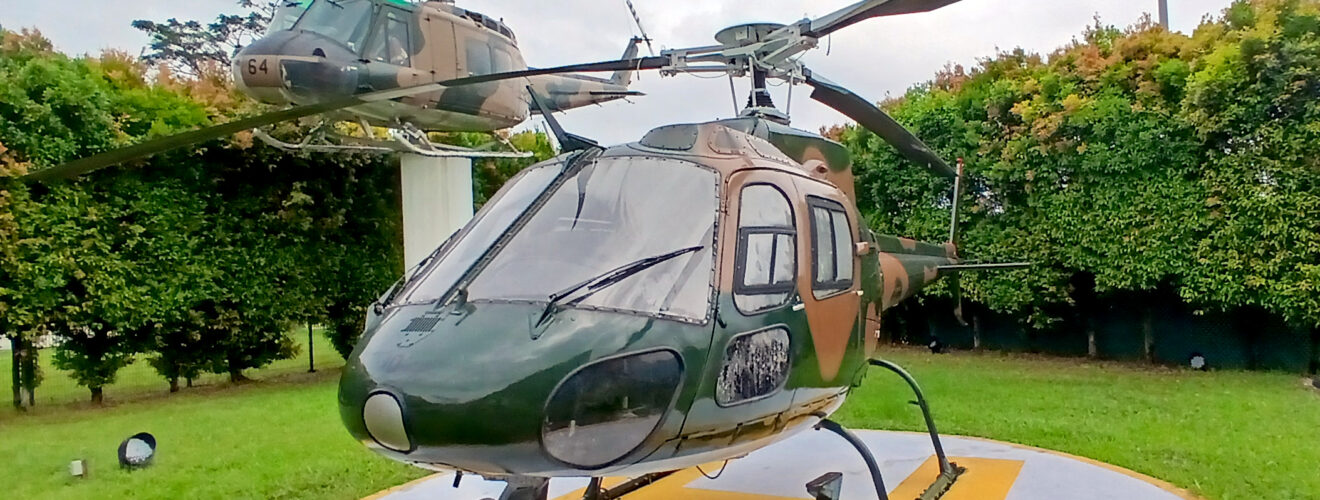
[{"x": 995, "y": 471}]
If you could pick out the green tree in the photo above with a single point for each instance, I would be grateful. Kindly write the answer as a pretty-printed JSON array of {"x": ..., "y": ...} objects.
[
  {"x": 1126, "y": 163},
  {"x": 191, "y": 48}
]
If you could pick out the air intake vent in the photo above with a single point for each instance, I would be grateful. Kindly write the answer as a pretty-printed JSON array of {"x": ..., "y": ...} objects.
[{"x": 423, "y": 324}]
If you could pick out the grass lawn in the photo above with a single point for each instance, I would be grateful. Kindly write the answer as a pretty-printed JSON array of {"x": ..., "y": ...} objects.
[
  {"x": 275, "y": 439},
  {"x": 1226, "y": 435}
]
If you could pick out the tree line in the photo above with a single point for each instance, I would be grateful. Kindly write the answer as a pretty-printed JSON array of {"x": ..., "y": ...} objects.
[
  {"x": 194, "y": 261},
  {"x": 1131, "y": 162}
]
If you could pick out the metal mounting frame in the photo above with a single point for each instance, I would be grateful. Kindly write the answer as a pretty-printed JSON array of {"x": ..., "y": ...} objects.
[{"x": 405, "y": 140}]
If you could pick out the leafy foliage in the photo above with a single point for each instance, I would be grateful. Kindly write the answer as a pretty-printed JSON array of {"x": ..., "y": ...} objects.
[
  {"x": 200, "y": 258},
  {"x": 191, "y": 48},
  {"x": 1142, "y": 158}
]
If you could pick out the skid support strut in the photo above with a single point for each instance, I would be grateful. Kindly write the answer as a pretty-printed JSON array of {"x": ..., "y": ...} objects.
[
  {"x": 949, "y": 471},
  {"x": 880, "y": 491}
]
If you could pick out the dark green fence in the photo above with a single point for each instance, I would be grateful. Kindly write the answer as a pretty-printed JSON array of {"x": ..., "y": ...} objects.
[{"x": 1245, "y": 339}]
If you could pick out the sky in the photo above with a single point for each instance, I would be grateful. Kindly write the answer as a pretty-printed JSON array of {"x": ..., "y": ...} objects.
[{"x": 876, "y": 58}]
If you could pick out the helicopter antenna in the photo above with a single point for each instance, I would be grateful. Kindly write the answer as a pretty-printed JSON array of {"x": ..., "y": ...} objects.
[
  {"x": 637, "y": 19},
  {"x": 567, "y": 141}
]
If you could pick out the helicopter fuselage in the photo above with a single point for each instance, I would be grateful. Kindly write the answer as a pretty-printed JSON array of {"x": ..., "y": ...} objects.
[
  {"x": 687, "y": 298},
  {"x": 338, "y": 48}
]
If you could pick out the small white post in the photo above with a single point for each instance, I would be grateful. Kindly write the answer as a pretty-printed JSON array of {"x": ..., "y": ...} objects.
[{"x": 437, "y": 201}]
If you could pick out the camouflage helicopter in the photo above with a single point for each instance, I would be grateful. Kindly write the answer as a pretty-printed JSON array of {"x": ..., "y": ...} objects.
[
  {"x": 318, "y": 55},
  {"x": 320, "y": 49},
  {"x": 643, "y": 308}
]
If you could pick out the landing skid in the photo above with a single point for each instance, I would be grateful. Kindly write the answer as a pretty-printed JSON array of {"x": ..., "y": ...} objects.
[
  {"x": 407, "y": 140},
  {"x": 827, "y": 487}
]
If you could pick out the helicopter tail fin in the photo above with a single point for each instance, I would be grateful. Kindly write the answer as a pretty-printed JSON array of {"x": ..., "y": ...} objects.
[{"x": 624, "y": 77}]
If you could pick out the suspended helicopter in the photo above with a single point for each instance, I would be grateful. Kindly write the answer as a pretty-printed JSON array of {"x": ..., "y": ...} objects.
[
  {"x": 642, "y": 308},
  {"x": 321, "y": 49},
  {"x": 319, "y": 54}
]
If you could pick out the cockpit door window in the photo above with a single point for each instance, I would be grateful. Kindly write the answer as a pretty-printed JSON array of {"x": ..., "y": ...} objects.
[
  {"x": 392, "y": 42},
  {"x": 767, "y": 251}
]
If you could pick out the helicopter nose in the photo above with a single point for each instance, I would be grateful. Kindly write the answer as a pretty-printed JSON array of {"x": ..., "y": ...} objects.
[
  {"x": 493, "y": 392},
  {"x": 295, "y": 67}
]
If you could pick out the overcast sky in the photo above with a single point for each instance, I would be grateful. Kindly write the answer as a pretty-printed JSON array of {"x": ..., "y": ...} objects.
[{"x": 875, "y": 58}]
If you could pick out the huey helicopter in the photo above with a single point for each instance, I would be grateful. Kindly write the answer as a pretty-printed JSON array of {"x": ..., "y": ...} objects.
[
  {"x": 319, "y": 55},
  {"x": 320, "y": 49},
  {"x": 642, "y": 308}
]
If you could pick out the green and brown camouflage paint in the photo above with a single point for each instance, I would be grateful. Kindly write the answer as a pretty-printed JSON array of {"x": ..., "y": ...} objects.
[
  {"x": 301, "y": 66},
  {"x": 474, "y": 390}
]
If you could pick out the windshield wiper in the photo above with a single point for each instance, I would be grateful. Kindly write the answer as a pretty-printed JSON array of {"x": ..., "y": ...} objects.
[{"x": 598, "y": 283}]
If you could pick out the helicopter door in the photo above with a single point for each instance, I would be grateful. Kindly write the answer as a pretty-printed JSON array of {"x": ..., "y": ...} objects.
[
  {"x": 439, "y": 48},
  {"x": 829, "y": 285},
  {"x": 759, "y": 331}
]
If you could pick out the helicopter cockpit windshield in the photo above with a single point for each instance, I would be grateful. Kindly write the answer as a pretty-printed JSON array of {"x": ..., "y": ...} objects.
[
  {"x": 287, "y": 14},
  {"x": 344, "y": 21},
  {"x": 603, "y": 217}
]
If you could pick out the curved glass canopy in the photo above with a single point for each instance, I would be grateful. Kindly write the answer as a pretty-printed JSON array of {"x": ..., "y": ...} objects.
[
  {"x": 344, "y": 21},
  {"x": 604, "y": 219}
]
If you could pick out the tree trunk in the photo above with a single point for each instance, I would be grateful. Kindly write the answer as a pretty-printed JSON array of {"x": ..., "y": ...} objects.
[
  {"x": 174, "y": 384},
  {"x": 976, "y": 331},
  {"x": 28, "y": 356},
  {"x": 236, "y": 375},
  {"x": 1092, "y": 350},
  {"x": 17, "y": 372},
  {"x": 97, "y": 396},
  {"x": 1148, "y": 334},
  {"x": 1315, "y": 351},
  {"x": 190, "y": 382}
]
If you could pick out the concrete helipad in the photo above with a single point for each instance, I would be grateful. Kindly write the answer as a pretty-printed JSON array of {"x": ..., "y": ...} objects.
[{"x": 995, "y": 471}]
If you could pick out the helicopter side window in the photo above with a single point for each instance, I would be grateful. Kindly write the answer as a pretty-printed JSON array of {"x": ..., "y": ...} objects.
[
  {"x": 478, "y": 58},
  {"x": 831, "y": 248},
  {"x": 392, "y": 43},
  {"x": 501, "y": 60},
  {"x": 767, "y": 253}
]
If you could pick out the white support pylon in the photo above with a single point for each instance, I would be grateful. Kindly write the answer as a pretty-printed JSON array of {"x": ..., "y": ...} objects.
[{"x": 437, "y": 200}]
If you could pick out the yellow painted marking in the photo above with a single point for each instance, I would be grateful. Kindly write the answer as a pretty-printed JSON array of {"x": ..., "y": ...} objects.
[
  {"x": 1158, "y": 483},
  {"x": 985, "y": 479},
  {"x": 675, "y": 486}
]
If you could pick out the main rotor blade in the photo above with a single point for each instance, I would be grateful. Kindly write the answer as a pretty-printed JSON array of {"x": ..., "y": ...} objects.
[
  {"x": 98, "y": 161},
  {"x": 872, "y": 118},
  {"x": 867, "y": 9}
]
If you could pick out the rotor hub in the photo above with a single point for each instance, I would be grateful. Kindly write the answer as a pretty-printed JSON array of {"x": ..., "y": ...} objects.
[{"x": 746, "y": 34}]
